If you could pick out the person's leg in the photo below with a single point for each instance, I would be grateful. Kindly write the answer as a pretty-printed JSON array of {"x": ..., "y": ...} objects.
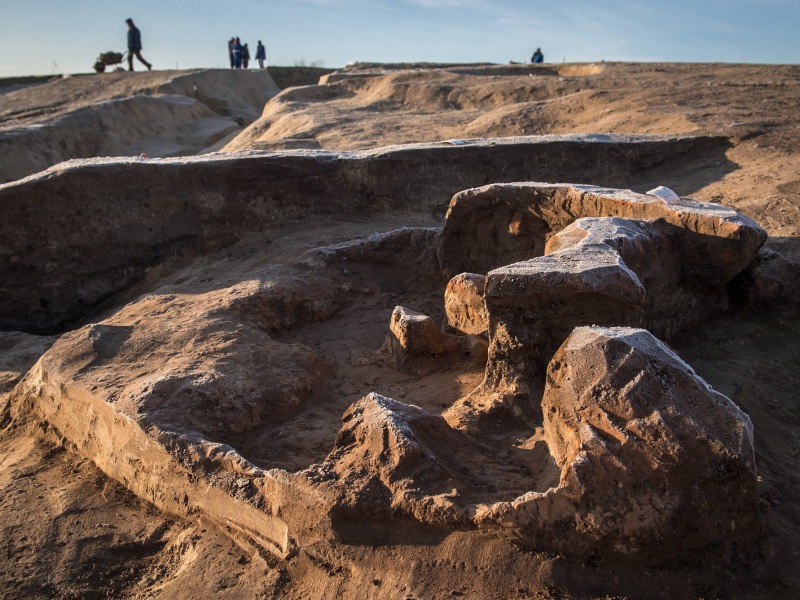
[
  {"x": 130, "y": 61},
  {"x": 141, "y": 60}
]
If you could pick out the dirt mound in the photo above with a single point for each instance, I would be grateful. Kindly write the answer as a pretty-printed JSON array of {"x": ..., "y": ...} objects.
[
  {"x": 158, "y": 113},
  {"x": 370, "y": 104}
]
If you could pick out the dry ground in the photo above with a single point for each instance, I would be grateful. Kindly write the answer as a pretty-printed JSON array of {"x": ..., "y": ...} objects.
[
  {"x": 158, "y": 113},
  {"x": 70, "y": 532}
]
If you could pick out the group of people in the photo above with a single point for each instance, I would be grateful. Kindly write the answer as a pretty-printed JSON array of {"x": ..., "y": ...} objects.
[{"x": 239, "y": 54}]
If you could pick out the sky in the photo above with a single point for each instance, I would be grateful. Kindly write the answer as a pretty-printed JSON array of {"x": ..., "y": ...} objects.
[{"x": 49, "y": 37}]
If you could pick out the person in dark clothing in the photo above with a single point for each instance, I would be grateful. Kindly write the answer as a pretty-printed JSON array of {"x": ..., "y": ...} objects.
[
  {"x": 261, "y": 54},
  {"x": 245, "y": 56},
  {"x": 135, "y": 46},
  {"x": 230, "y": 50},
  {"x": 537, "y": 57}
]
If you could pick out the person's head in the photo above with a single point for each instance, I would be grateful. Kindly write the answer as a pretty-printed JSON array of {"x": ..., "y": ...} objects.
[
  {"x": 129, "y": 22},
  {"x": 259, "y": 41}
]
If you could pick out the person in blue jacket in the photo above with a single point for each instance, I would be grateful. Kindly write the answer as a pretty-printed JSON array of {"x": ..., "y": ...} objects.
[
  {"x": 537, "y": 57},
  {"x": 237, "y": 53},
  {"x": 261, "y": 54},
  {"x": 135, "y": 46}
]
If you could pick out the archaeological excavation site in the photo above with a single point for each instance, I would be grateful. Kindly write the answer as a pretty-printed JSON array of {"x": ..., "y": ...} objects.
[{"x": 504, "y": 364}]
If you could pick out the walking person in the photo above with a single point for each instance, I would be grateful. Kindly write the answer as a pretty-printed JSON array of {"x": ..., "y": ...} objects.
[
  {"x": 245, "y": 56},
  {"x": 230, "y": 51},
  {"x": 261, "y": 54},
  {"x": 135, "y": 46}
]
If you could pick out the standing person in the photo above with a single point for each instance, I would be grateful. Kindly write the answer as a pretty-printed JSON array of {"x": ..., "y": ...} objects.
[
  {"x": 230, "y": 51},
  {"x": 135, "y": 46},
  {"x": 537, "y": 57},
  {"x": 261, "y": 54},
  {"x": 237, "y": 53},
  {"x": 245, "y": 56}
]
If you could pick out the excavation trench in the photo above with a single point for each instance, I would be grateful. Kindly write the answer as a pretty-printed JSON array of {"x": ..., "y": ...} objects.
[{"x": 265, "y": 384}]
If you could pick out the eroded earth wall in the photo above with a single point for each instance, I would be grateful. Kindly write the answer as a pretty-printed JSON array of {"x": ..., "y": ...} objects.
[{"x": 78, "y": 233}]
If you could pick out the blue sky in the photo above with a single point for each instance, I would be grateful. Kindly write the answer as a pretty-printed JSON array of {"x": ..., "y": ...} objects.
[{"x": 65, "y": 36}]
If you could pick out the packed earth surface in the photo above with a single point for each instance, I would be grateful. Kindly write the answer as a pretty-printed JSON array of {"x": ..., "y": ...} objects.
[{"x": 401, "y": 331}]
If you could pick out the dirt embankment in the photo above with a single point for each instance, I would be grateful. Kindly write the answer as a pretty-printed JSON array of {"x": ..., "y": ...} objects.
[
  {"x": 184, "y": 207},
  {"x": 368, "y": 105},
  {"x": 157, "y": 113},
  {"x": 286, "y": 77}
]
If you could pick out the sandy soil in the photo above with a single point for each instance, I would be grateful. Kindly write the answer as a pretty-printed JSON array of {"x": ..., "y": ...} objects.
[
  {"x": 754, "y": 105},
  {"x": 71, "y": 532},
  {"x": 158, "y": 113}
]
